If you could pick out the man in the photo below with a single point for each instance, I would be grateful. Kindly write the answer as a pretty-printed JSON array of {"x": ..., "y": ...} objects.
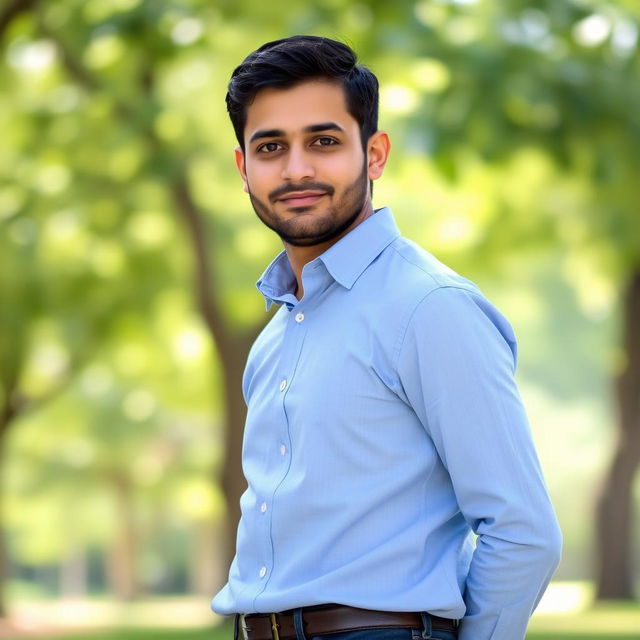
[{"x": 384, "y": 427}]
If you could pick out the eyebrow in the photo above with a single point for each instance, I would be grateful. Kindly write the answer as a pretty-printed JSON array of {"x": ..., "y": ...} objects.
[{"x": 312, "y": 128}]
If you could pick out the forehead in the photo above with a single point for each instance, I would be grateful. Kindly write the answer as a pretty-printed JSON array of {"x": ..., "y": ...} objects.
[{"x": 293, "y": 109}]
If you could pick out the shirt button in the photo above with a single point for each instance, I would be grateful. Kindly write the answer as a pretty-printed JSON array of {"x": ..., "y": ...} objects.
[
  {"x": 263, "y": 572},
  {"x": 283, "y": 385},
  {"x": 283, "y": 450},
  {"x": 263, "y": 507},
  {"x": 299, "y": 317}
]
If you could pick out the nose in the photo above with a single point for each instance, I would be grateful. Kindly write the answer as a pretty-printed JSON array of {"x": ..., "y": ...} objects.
[{"x": 297, "y": 165}]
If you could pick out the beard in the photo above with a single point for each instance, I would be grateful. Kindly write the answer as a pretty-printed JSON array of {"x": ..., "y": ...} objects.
[{"x": 304, "y": 229}]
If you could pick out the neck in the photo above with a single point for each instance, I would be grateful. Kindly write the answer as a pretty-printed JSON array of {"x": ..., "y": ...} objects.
[{"x": 299, "y": 256}]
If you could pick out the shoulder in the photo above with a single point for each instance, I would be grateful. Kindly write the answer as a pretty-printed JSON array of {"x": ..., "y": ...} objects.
[
  {"x": 432, "y": 299},
  {"x": 417, "y": 272},
  {"x": 414, "y": 280}
]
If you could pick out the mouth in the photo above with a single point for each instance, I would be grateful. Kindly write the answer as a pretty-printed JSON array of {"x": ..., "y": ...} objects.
[{"x": 301, "y": 198}]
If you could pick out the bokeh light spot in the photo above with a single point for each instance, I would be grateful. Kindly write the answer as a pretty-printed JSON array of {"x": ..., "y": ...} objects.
[
  {"x": 187, "y": 31},
  {"x": 31, "y": 56},
  {"x": 592, "y": 30},
  {"x": 398, "y": 99},
  {"x": 139, "y": 405},
  {"x": 190, "y": 344},
  {"x": 104, "y": 51},
  {"x": 149, "y": 228},
  {"x": 431, "y": 75},
  {"x": 53, "y": 179},
  {"x": 97, "y": 380}
]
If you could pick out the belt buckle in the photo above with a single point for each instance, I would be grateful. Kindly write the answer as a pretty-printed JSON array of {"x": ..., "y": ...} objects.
[{"x": 274, "y": 626}]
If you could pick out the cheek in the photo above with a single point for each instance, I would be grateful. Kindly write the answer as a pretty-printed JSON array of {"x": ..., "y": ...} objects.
[
  {"x": 346, "y": 163},
  {"x": 262, "y": 176},
  {"x": 343, "y": 168},
  {"x": 349, "y": 171}
]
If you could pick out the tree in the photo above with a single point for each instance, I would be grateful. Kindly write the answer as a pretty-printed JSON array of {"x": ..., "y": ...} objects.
[
  {"x": 82, "y": 62},
  {"x": 561, "y": 78},
  {"x": 126, "y": 96}
]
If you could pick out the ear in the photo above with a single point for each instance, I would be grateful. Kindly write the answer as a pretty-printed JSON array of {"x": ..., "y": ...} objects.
[
  {"x": 241, "y": 167},
  {"x": 378, "y": 148}
]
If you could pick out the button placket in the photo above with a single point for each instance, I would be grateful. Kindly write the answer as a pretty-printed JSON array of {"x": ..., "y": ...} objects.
[{"x": 265, "y": 508}]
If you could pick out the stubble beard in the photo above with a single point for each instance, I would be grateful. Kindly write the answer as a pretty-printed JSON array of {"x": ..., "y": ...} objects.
[{"x": 316, "y": 229}]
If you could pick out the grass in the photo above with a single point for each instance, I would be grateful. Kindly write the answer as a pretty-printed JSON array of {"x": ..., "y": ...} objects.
[
  {"x": 612, "y": 621},
  {"x": 609, "y": 622},
  {"x": 214, "y": 633},
  {"x": 222, "y": 632},
  {"x": 566, "y": 613}
]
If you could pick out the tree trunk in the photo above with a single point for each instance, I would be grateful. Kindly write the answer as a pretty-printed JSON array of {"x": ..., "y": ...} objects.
[
  {"x": 614, "y": 526},
  {"x": 233, "y": 346},
  {"x": 233, "y": 355},
  {"x": 73, "y": 572},
  {"x": 205, "y": 570},
  {"x": 121, "y": 568},
  {"x": 9, "y": 411},
  {"x": 4, "y": 559}
]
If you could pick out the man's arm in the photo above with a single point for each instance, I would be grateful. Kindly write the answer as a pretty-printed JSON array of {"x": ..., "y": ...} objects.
[{"x": 456, "y": 366}]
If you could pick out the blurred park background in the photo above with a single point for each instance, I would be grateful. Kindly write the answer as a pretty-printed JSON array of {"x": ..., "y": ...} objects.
[{"x": 129, "y": 252}]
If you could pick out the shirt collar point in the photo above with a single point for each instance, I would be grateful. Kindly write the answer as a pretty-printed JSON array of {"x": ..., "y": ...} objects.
[{"x": 348, "y": 258}]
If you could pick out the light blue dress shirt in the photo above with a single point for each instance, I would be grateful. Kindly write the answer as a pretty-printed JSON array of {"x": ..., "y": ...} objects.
[{"x": 384, "y": 430}]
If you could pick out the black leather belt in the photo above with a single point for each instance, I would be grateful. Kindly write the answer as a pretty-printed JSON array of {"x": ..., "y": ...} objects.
[{"x": 325, "y": 619}]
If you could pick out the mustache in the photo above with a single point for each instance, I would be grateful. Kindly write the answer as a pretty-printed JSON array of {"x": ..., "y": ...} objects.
[{"x": 278, "y": 193}]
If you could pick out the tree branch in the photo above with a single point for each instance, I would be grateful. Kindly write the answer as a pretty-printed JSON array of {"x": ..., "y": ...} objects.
[
  {"x": 179, "y": 188},
  {"x": 17, "y": 404},
  {"x": 204, "y": 278},
  {"x": 11, "y": 11},
  {"x": 76, "y": 69}
]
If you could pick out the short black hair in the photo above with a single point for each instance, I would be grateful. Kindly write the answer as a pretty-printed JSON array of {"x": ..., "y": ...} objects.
[{"x": 287, "y": 62}]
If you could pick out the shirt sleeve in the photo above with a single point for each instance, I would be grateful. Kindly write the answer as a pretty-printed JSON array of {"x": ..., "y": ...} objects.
[{"x": 456, "y": 366}]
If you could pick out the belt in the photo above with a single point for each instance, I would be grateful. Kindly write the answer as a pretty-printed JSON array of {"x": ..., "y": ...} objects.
[{"x": 334, "y": 618}]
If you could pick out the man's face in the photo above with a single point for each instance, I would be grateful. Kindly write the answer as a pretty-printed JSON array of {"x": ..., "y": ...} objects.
[{"x": 303, "y": 165}]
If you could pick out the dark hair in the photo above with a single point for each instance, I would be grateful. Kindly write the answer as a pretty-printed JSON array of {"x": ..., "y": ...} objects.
[{"x": 290, "y": 61}]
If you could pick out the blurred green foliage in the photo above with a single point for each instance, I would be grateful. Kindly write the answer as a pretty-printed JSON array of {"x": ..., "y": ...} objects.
[{"x": 516, "y": 145}]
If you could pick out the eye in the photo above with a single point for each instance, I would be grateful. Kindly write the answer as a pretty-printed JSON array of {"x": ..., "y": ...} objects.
[
  {"x": 325, "y": 141},
  {"x": 268, "y": 147}
]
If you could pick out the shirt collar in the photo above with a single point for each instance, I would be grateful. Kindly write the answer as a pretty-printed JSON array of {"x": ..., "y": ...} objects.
[
  {"x": 345, "y": 261},
  {"x": 278, "y": 282}
]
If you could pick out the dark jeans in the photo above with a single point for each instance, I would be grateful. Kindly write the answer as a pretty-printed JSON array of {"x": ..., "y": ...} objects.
[
  {"x": 386, "y": 634},
  {"x": 372, "y": 634}
]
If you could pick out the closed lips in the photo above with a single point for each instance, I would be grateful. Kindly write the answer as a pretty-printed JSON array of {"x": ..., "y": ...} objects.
[{"x": 302, "y": 195}]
